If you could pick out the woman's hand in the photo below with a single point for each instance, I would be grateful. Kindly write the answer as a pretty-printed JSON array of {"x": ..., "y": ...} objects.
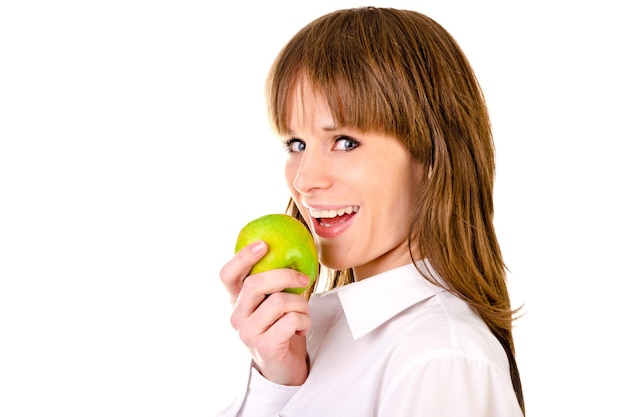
[{"x": 270, "y": 322}]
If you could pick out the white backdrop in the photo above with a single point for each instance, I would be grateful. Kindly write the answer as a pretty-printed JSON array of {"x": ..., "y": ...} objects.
[{"x": 134, "y": 145}]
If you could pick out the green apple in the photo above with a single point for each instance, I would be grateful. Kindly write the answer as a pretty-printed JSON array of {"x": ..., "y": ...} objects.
[{"x": 290, "y": 245}]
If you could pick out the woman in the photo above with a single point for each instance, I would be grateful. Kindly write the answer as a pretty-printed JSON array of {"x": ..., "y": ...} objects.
[{"x": 391, "y": 166}]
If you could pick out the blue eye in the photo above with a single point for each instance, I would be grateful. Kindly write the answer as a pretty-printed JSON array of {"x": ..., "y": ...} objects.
[
  {"x": 295, "y": 145},
  {"x": 346, "y": 143}
]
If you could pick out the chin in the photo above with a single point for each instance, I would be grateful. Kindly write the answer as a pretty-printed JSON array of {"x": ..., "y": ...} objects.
[{"x": 331, "y": 263}]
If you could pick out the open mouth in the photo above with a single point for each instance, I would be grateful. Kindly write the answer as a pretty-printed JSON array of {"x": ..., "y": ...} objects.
[{"x": 330, "y": 218}]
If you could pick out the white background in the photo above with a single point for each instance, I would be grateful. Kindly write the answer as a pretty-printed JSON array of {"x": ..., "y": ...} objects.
[{"x": 134, "y": 145}]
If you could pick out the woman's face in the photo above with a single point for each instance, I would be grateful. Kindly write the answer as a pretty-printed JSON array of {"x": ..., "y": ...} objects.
[{"x": 355, "y": 190}]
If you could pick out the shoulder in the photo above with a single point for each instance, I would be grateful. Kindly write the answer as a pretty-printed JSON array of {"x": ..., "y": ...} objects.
[
  {"x": 442, "y": 326},
  {"x": 446, "y": 360}
]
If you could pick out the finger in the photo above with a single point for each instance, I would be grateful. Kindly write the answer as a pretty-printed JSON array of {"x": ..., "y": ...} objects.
[
  {"x": 235, "y": 271},
  {"x": 262, "y": 296},
  {"x": 295, "y": 318},
  {"x": 277, "y": 305},
  {"x": 286, "y": 327},
  {"x": 268, "y": 341},
  {"x": 257, "y": 287}
]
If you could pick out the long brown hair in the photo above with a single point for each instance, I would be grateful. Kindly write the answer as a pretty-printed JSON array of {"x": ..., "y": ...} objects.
[{"x": 400, "y": 73}]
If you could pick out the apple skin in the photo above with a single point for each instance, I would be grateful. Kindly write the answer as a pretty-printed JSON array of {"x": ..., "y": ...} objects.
[{"x": 290, "y": 245}]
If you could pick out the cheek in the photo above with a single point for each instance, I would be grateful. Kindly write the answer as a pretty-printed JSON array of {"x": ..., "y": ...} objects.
[
  {"x": 401, "y": 192},
  {"x": 290, "y": 175}
]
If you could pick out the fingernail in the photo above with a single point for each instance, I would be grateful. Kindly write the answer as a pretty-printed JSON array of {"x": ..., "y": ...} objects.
[
  {"x": 257, "y": 246},
  {"x": 304, "y": 279}
]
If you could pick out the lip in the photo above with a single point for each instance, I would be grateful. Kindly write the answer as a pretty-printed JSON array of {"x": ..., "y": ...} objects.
[{"x": 326, "y": 231}]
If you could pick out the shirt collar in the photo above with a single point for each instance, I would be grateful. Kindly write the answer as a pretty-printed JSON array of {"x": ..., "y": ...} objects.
[{"x": 375, "y": 300}]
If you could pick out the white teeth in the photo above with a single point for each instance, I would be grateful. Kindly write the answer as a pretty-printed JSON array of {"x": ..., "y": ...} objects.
[{"x": 329, "y": 214}]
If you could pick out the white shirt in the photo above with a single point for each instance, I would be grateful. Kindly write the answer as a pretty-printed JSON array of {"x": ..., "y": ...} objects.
[{"x": 392, "y": 345}]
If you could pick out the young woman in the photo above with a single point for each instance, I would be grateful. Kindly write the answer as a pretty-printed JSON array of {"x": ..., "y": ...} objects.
[{"x": 391, "y": 166}]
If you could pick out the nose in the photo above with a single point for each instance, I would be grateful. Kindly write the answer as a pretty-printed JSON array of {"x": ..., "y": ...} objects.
[{"x": 314, "y": 172}]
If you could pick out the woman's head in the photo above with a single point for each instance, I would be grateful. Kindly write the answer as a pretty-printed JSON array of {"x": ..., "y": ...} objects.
[{"x": 400, "y": 74}]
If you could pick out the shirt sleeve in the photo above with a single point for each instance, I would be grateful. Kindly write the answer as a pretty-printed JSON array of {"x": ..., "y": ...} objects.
[
  {"x": 450, "y": 386},
  {"x": 262, "y": 398}
]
